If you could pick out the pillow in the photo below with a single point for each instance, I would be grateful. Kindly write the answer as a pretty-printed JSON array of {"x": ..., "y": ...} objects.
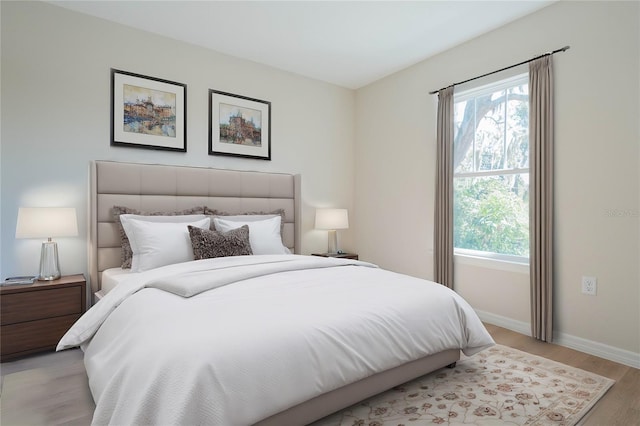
[
  {"x": 124, "y": 241},
  {"x": 249, "y": 216},
  {"x": 156, "y": 244},
  {"x": 264, "y": 235},
  {"x": 207, "y": 244}
]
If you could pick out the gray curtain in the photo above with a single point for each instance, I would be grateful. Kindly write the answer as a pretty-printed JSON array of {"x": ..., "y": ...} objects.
[
  {"x": 541, "y": 197},
  {"x": 443, "y": 232}
]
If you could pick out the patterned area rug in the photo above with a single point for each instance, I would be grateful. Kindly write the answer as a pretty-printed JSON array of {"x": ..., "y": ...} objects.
[{"x": 497, "y": 386}]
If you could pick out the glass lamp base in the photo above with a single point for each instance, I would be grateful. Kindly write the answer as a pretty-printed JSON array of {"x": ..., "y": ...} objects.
[
  {"x": 49, "y": 267},
  {"x": 332, "y": 242}
]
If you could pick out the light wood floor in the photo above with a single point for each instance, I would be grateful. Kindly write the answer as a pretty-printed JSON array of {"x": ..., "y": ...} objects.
[{"x": 72, "y": 403}]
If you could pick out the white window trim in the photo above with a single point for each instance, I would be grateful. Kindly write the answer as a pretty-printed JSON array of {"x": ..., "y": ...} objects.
[
  {"x": 518, "y": 264},
  {"x": 493, "y": 172},
  {"x": 499, "y": 85}
]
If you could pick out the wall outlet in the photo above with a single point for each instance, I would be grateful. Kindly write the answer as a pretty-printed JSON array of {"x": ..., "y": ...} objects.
[{"x": 589, "y": 285}]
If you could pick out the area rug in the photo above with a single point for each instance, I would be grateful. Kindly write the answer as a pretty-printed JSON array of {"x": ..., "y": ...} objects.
[{"x": 497, "y": 386}]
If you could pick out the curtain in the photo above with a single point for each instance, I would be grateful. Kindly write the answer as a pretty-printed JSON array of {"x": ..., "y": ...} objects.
[
  {"x": 443, "y": 232},
  {"x": 541, "y": 197}
]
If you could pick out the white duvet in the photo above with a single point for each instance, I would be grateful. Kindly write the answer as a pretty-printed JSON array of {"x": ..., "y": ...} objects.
[{"x": 231, "y": 341}]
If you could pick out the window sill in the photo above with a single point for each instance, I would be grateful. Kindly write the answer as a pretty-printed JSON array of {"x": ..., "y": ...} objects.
[{"x": 483, "y": 262}]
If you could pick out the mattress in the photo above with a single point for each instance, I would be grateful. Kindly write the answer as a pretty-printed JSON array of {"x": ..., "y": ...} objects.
[{"x": 112, "y": 277}]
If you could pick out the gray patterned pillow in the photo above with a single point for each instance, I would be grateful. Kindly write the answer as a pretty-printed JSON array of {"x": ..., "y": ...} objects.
[
  {"x": 207, "y": 244},
  {"x": 127, "y": 253}
]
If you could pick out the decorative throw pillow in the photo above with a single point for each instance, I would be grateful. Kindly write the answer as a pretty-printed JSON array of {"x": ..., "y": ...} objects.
[
  {"x": 127, "y": 254},
  {"x": 208, "y": 244}
]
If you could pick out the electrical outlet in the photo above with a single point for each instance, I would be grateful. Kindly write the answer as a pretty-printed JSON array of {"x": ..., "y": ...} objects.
[{"x": 589, "y": 285}]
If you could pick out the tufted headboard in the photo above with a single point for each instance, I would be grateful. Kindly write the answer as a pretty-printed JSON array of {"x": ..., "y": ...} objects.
[{"x": 155, "y": 187}]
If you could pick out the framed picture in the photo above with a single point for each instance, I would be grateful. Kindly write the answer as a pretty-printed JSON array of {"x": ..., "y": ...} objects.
[
  {"x": 148, "y": 112},
  {"x": 239, "y": 126}
]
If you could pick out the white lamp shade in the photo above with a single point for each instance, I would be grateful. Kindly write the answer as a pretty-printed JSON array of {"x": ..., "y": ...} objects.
[
  {"x": 332, "y": 219},
  {"x": 46, "y": 222}
]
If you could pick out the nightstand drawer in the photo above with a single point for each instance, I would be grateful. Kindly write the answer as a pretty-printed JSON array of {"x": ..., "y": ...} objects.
[
  {"x": 40, "y": 304},
  {"x": 33, "y": 336}
]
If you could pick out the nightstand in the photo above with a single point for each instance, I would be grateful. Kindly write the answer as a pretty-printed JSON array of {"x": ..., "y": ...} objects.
[
  {"x": 338, "y": 255},
  {"x": 33, "y": 317}
]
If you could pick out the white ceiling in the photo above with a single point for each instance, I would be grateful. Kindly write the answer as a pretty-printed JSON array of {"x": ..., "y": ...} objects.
[{"x": 348, "y": 43}]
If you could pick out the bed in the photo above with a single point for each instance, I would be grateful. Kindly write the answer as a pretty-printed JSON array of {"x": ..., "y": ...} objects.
[{"x": 144, "y": 357}]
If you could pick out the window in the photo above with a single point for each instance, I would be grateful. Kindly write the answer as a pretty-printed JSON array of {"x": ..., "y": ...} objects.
[{"x": 491, "y": 171}]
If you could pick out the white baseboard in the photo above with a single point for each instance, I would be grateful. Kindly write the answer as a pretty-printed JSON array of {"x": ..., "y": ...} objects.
[
  {"x": 504, "y": 322},
  {"x": 601, "y": 350},
  {"x": 590, "y": 347}
]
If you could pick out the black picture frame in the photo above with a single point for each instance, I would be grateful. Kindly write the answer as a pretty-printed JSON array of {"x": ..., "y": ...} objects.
[
  {"x": 239, "y": 126},
  {"x": 148, "y": 112}
]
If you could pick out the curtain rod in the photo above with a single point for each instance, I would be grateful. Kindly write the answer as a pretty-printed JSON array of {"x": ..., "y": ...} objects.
[{"x": 562, "y": 49}]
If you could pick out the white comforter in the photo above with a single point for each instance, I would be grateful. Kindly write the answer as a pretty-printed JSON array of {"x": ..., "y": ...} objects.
[{"x": 243, "y": 346}]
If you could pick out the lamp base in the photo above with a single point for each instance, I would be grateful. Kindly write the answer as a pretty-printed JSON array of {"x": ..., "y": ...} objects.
[
  {"x": 49, "y": 267},
  {"x": 333, "y": 242}
]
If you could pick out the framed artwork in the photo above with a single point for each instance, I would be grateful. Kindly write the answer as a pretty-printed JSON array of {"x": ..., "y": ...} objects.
[
  {"x": 239, "y": 126},
  {"x": 148, "y": 112}
]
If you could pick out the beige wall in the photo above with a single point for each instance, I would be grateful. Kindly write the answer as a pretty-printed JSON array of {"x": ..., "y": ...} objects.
[
  {"x": 55, "y": 119},
  {"x": 597, "y": 162}
]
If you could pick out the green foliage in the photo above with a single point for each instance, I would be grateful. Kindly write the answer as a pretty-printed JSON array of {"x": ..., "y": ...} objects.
[{"x": 490, "y": 216}]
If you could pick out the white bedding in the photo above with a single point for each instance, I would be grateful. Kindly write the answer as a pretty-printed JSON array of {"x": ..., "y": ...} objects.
[{"x": 245, "y": 350}]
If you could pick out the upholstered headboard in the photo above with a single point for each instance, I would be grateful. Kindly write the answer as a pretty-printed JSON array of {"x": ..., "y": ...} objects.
[{"x": 154, "y": 187}]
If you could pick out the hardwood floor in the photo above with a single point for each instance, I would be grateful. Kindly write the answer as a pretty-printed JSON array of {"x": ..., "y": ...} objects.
[
  {"x": 46, "y": 389},
  {"x": 72, "y": 402}
]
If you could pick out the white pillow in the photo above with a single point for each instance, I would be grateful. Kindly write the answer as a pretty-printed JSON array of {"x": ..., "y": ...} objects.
[
  {"x": 264, "y": 235},
  {"x": 156, "y": 244},
  {"x": 245, "y": 218}
]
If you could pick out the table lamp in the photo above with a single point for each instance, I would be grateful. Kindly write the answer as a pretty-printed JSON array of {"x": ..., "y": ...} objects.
[
  {"x": 331, "y": 220},
  {"x": 47, "y": 222}
]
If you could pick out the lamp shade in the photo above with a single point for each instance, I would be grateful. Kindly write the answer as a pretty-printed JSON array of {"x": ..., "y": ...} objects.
[
  {"x": 332, "y": 219},
  {"x": 46, "y": 222}
]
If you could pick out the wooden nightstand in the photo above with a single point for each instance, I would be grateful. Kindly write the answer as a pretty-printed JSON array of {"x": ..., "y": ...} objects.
[
  {"x": 338, "y": 255},
  {"x": 33, "y": 317}
]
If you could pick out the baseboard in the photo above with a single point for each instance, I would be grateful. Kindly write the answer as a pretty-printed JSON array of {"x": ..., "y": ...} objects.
[
  {"x": 504, "y": 322},
  {"x": 601, "y": 350},
  {"x": 590, "y": 347}
]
